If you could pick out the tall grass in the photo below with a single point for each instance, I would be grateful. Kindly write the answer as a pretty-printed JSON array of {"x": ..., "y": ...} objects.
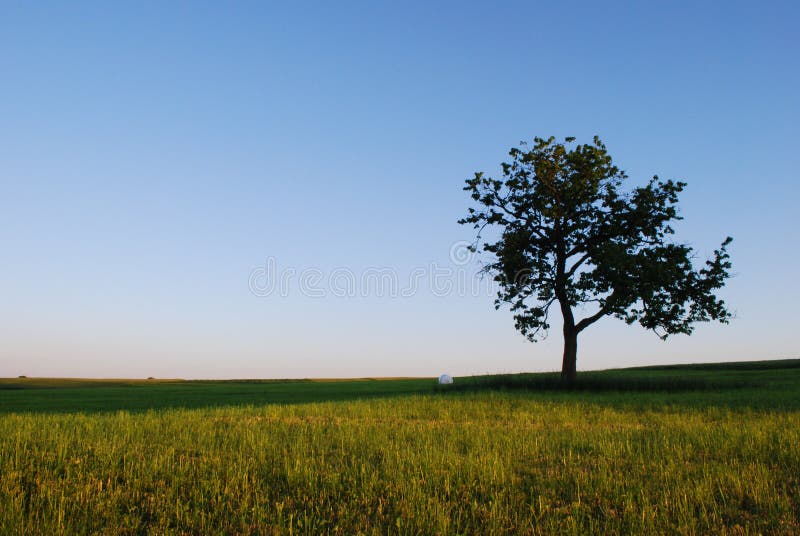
[{"x": 487, "y": 462}]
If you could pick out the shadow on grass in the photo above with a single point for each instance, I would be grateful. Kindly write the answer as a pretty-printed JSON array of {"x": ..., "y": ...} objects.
[
  {"x": 72, "y": 396},
  {"x": 760, "y": 386},
  {"x": 596, "y": 382},
  {"x": 769, "y": 386}
]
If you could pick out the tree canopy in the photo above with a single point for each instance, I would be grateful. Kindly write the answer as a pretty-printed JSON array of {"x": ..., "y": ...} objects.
[{"x": 569, "y": 234}]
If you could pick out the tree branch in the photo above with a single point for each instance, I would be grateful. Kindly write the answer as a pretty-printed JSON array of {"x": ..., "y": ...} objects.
[
  {"x": 577, "y": 264},
  {"x": 604, "y": 310},
  {"x": 501, "y": 202}
]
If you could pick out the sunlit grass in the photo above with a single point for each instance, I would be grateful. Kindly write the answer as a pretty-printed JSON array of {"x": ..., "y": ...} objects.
[{"x": 474, "y": 461}]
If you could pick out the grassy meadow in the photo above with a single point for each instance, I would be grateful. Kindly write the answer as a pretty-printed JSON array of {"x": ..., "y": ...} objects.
[{"x": 699, "y": 449}]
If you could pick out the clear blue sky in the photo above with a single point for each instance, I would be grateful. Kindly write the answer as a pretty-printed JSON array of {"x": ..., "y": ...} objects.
[{"x": 153, "y": 156}]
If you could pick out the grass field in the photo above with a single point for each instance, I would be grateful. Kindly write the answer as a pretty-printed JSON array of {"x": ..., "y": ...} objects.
[{"x": 691, "y": 450}]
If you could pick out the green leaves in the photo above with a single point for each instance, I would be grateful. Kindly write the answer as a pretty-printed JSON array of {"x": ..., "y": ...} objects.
[{"x": 568, "y": 234}]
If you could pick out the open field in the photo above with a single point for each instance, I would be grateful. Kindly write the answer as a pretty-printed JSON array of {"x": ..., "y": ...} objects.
[{"x": 693, "y": 449}]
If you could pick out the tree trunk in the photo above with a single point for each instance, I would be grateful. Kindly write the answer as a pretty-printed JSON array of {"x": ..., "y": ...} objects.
[{"x": 569, "y": 364}]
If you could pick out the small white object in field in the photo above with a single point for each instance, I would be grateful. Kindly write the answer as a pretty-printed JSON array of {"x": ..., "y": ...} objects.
[{"x": 445, "y": 379}]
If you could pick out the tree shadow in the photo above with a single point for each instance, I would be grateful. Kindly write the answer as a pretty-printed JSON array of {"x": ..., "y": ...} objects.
[{"x": 766, "y": 386}]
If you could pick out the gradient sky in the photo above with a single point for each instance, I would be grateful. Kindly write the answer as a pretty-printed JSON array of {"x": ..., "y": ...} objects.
[{"x": 152, "y": 157}]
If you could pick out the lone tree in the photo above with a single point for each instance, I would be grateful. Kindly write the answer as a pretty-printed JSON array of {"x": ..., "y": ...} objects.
[{"x": 569, "y": 235}]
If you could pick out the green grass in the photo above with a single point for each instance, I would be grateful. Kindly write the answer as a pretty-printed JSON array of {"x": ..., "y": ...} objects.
[
  {"x": 688, "y": 450},
  {"x": 78, "y": 395}
]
